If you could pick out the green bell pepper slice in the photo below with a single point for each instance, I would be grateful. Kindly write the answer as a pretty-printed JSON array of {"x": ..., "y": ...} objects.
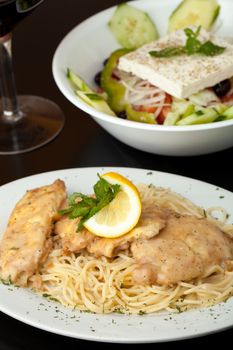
[
  {"x": 114, "y": 89},
  {"x": 138, "y": 116}
]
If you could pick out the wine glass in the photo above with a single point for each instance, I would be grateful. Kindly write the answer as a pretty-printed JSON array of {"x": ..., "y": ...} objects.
[{"x": 26, "y": 122}]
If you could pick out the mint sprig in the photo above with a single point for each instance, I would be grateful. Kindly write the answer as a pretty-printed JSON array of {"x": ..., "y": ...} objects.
[
  {"x": 83, "y": 206},
  {"x": 192, "y": 46}
]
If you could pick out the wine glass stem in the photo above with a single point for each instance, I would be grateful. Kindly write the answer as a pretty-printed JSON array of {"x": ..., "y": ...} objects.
[{"x": 10, "y": 112}]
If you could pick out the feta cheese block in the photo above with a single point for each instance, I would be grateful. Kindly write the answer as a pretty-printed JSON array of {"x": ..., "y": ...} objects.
[{"x": 180, "y": 76}]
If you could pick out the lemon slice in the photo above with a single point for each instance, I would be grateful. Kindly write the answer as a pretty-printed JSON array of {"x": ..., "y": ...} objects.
[{"x": 121, "y": 214}]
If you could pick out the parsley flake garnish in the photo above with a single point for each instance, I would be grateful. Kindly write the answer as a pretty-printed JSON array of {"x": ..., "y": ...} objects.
[
  {"x": 84, "y": 207},
  {"x": 192, "y": 46},
  {"x": 7, "y": 281}
]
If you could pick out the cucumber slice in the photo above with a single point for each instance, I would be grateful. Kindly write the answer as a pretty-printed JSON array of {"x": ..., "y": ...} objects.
[
  {"x": 89, "y": 96},
  {"x": 228, "y": 114},
  {"x": 172, "y": 118},
  {"x": 77, "y": 82},
  {"x": 96, "y": 101},
  {"x": 220, "y": 108},
  {"x": 184, "y": 108},
  {"x": 179, "y": 110},
  {"x": 194, "y": 12},
  {"x": 203, "y": 116},
  {"x": 132, "y": 27}
]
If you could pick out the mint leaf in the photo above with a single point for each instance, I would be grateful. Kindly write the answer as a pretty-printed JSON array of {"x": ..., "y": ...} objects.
[
  {"x": 192, "y": 46},
  {"x": 168, "y": 52},
  {"x": 84, "y": 207},
  {"x": 191, "y": 34},
  {"x": 210, "y": 49}
]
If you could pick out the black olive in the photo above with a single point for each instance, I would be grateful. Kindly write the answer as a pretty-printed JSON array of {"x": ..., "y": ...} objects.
[
  {"x": 222, "y": 88},
  {"x": 122, "y": 115},
  {"x": 105, "y": 61},
  {"x": 97, "y": 79}
]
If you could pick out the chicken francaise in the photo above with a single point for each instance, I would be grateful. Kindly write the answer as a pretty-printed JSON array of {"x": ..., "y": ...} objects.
[{"x": 27, "y": 240}]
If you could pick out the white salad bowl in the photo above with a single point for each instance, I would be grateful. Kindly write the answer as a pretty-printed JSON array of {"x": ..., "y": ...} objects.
[{"x": 85, "y": 48}]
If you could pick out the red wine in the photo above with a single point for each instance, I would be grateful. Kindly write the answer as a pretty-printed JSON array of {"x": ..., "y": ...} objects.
[{"x": 13, "y": 11}]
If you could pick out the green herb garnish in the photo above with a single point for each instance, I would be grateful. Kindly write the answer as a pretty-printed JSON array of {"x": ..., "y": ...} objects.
[
  {"x": 45, "y": 295},
  {"x": 192, "y": 46},
  {"x": 80, "y": 205},
  {"x": 169, "y": 52},
  {"x": 142, "y": 312},
  {"x": 7, "y": 281},
  {"x": 210, "y": 49}
]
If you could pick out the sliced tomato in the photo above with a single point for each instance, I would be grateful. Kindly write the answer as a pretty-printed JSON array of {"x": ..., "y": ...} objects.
[
  {"x": 165, "y": 110},
  {"x": 227, "y": 98},
  {"x": 162, "y": 115},
  {"x": 100, "y": 90},
  {"x": 148, "y": 109}
]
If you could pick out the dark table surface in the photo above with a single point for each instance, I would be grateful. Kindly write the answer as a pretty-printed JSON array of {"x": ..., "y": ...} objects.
[{"x": 82, "y": 143}]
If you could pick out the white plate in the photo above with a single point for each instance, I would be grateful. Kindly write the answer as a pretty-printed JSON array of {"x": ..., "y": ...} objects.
[{"x": 34, "y": 310}]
